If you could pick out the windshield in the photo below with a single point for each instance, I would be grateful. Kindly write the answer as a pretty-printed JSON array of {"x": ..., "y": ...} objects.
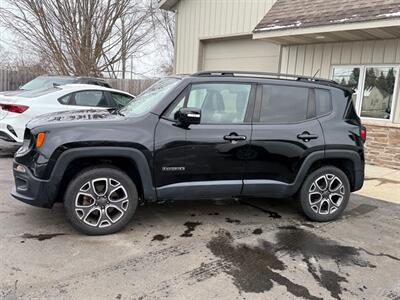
[
  {"x": 150, "y": 97},
  {"x": 45, "y": 82}
]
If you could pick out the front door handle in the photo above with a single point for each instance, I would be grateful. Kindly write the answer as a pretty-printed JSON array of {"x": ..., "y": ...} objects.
[
  {"x": 306, "y": 136},
  {"x": 234, "y": 137}
]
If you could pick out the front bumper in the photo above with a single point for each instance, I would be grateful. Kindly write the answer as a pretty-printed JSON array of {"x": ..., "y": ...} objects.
[{"x": 32, "y": 190}]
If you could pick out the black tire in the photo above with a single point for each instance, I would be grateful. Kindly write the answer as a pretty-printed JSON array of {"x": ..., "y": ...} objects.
[
  {"x": 113, "y": 214},
  {"x": 331, "y": 205}
]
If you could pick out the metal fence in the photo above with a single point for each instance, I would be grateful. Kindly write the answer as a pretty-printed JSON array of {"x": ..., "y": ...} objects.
[{"x": 11, "y": 80}]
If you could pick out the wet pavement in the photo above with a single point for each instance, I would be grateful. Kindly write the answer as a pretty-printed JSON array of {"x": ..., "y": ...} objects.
[{"x": 253, "y": 249}]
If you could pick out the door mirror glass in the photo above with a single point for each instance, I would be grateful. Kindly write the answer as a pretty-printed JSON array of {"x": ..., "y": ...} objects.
[{"x": 187, "y": 116}]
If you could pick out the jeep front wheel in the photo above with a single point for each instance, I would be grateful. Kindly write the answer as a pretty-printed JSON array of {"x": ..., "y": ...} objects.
[
  {"x": 100, "y": 200},
  {"x": 324, "y": 194}
]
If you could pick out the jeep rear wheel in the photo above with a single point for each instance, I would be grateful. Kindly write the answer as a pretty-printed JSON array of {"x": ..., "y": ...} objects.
[
  {"x": 100, "y": 200},
  {"x": 324, "y": 194}
]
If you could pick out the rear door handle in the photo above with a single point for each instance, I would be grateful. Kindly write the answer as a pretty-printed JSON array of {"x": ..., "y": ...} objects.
[
  {"x": 235, "y": 137},
  {"x": 306, "y": 136}
]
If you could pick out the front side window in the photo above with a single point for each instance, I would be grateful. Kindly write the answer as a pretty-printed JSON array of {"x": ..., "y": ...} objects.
[
  {"x": 374, "y": 87},
  {"x": 283, "y": 104},
  {"x": 90, "y": 98},
  {"x": 220, "y": 103}
]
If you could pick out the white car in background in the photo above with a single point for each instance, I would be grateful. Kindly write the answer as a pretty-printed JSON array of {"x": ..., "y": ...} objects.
[{"x": 16, "y": 111}]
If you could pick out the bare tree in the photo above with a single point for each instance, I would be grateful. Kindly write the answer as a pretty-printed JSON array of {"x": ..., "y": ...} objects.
[
  {"x": 81, "y": 37},
  {"x": 164, "y": 25},
  {"x": 165, "y": 20},
  {"x": 4, "y": 56}
]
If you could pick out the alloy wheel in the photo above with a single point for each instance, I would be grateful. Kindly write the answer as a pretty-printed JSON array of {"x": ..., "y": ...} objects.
[
  {"x": 326, "y": 194},
  {"x": 101, "y": 202}
]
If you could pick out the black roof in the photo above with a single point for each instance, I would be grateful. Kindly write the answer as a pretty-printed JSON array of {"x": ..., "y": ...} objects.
[{"x": 279, "y": 76}]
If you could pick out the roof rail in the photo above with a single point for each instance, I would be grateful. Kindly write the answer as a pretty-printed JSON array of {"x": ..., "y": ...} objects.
[
  {"x": 272, "y": 76},
  {"x": 260, "y": 74}
]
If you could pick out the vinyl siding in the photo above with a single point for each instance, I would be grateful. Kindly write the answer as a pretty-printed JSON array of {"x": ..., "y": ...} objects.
[
  {"x": 199, "y": 20},
  {"x": 319, "y": 58}
]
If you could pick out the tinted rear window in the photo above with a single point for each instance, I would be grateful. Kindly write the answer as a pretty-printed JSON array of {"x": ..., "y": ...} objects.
[
  {"x": 350, "y": 113},
  {"x": 323, "y": 102},
  {"x": 283, "y": 104}
]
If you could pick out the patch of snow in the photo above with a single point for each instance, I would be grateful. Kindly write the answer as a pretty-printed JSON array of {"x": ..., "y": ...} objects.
[
  {"x": 340, "y": 20},
  {"x": 389, "y": 15},
  {"x": 277, "y": 27}
]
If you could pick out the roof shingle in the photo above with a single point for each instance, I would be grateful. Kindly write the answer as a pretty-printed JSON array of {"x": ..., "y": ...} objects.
[{"x": 290, "y": 14}]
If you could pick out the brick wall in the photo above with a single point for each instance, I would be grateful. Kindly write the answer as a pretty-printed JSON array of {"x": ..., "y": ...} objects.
[{"x": 383, "y": 144}]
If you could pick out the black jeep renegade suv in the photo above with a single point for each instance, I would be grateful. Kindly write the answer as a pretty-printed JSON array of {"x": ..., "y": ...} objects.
[{"x": 205, "y": 136}]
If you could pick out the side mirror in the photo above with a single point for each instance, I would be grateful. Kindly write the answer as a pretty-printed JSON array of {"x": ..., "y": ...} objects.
[{"x": 188, "y": 116}]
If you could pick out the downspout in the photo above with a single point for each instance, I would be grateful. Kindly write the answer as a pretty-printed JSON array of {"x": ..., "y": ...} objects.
[{"x": 280, "y": 58}]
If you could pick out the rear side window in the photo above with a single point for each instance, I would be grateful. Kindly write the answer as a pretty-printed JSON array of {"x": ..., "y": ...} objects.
[
  {"x": 121, "y": 99},
  {"x": 65, "y": 99},
  {"x": 323, "y": 102},
  {"x": 350, "y": 113},
  {"x": 283, "y": 104},
  {"x": 90, "y": 98}
]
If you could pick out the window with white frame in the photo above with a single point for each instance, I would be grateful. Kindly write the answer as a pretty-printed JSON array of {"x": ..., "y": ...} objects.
[{"x": 375, "y": 88}]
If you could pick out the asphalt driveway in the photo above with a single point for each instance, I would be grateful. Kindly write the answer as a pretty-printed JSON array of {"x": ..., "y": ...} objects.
[{"x": 254, "y": 249}]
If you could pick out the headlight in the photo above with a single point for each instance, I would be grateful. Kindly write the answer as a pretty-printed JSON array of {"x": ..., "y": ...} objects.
[
  {"x": 20, "y": 168},
  {"x": 27, "y": 143}
]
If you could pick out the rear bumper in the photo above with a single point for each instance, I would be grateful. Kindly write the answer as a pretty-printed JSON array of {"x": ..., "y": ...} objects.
[
  {"x": 358, "y": 180},
  {"x": 8, "y": 136},
  {"x": 32, "y": 190}
]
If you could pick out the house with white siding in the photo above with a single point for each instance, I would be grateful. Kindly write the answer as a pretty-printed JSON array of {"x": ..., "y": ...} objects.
[{"x": 356, "y": 43}]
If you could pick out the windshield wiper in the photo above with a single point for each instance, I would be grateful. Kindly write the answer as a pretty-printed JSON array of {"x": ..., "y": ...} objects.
[{"x": 115, "y": 110}]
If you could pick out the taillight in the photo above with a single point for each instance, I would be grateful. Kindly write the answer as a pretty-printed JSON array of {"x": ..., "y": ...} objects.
[
  {"x": 363, "y": 133},
  {"x": 14, "y": 108}
]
